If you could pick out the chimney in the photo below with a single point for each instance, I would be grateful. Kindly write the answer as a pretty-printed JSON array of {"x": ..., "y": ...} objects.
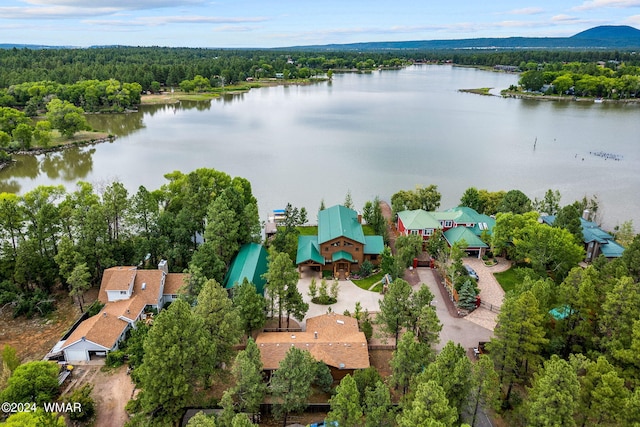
[
  {"x": 163, "y": 266},
  {"x": 359, "y": 218},
  {"x": 586, "y": 214}
]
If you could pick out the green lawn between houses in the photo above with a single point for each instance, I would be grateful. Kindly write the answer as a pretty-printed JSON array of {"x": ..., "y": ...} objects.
[
  {"x": 366, "y": 283},
  {"x": 312, "y": 230},
  {"x": 507, "y": 279}
]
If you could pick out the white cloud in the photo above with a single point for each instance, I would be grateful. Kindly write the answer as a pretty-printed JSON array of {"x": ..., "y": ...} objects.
[
  {"x": 118, "y": 4},
  {"x": 564, "y": 19},
  {"x": 52, "y": 12},
  {"x": 166, "y": 20},
  {"x": 599, "y": 4},
  {"x": 633, "y": 20},
  {"x": 526, "y": 11}
]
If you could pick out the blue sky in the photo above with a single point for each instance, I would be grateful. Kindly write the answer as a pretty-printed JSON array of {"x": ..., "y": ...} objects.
[{"x": 275, "y": 23}]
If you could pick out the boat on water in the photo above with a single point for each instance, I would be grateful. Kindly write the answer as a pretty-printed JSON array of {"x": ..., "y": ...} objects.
[{"x": 598, "y": 101}]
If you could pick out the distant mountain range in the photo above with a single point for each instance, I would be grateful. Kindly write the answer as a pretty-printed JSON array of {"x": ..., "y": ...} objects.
[{"x": 602, "y": 37}]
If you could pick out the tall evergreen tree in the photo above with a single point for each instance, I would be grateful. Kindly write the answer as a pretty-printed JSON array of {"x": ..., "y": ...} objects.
[
  {"x": 281, "y": 276},
  {"x": 345, "y": 404},
  {"x": 377, "y": 406},
  {"x": 409, "y": 359},
  {"x": 452, "y": 371},
  {"x": 250, "y": 305},
  {"x": 221, "y": 325},
  {"x": 519, "y": 337},
  {"x": 485, "y": 387},
  {"x": 395, "y": 308},
  {"x": 429, "y": 408},
  {"x": 249, "y": 389},
  {"x": 552, "y": 399},
  {"x": 291, "y": 383},
  {"x": 173, "y": 361}
]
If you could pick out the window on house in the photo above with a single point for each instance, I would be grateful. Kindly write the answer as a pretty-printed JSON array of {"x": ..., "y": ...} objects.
[
  {"x": 448, "y": 223},
  {"x": 357, "y": 249},
  {"x": 347, "y": 243},
  {"x": 427, "y": 232},
  {"x": 335, "y": 244},
  {"x": 123, "y": 292},
  {"x": 414, "y": 232},
  {"x": 326, "y": 248}
]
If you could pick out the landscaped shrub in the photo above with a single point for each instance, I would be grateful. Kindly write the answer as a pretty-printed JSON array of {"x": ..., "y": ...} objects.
[
  {"x": 366, "y": 268},
  {"x": 115, "y": 358},
  {"x": 323, "y": 295}
]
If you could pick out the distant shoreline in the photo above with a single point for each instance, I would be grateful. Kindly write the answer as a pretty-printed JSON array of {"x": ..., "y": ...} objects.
[{"x": 519, "y": 95}]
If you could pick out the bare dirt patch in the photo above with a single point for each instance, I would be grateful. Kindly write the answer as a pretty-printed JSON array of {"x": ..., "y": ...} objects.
[{"x": 33, "y": 338}]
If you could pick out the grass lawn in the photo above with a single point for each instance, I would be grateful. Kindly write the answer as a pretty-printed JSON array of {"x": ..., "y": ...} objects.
[
  {"x": 507, "y": 279},
  {"x": 311, "y": 230},
  {"x": 366, "y": 283},
  {"x": 368, "y": 230}
]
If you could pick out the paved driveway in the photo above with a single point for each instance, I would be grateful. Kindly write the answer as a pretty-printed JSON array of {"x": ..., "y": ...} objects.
[
  {"x": 459, "y": 330},
  {"x": 348, "y": 295}
]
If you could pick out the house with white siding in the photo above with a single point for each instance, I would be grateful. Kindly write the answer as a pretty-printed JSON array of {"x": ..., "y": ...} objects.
[{"x": 128, "y": 293}]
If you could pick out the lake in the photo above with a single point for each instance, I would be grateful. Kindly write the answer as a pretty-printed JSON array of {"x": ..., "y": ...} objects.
[{"x": 370, "y": 134}]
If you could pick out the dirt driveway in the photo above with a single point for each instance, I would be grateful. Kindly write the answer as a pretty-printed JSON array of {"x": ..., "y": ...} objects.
[{"x": 112, "y": 390}]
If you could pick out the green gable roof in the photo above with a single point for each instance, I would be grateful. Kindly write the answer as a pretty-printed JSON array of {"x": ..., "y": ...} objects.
[
  {"x": 337, "y": 256},
  {"x": 249, "y": 263},
  {"x": 458, "y": 234},
  {"x": 374, "y": 245},
  {"x": 308, "y": 250},
  {"x": 418, "y": 219},
  {"x": 339, "y": 221}
]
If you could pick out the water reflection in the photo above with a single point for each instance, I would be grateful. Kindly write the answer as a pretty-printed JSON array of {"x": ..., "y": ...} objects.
[
  {"x": 68, "y": 165},
  {"x": 117, "y": 124}
]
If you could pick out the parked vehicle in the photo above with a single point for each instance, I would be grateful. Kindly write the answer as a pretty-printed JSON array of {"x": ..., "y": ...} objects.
[{"x": 471, "y": 272}]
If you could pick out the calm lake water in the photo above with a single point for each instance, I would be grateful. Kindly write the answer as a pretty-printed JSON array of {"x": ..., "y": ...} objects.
[{"x": 371, "y": 134}]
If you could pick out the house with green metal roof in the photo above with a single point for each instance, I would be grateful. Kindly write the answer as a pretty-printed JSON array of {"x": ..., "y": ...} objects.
[
  {"x": 596, "y": 241},
  {"x": 250, "y": 263},
  {"x": 457, "y": 224},
  {"x": 340, "y": 246}
]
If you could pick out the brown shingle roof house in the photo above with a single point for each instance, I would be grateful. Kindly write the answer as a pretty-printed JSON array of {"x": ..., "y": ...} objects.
[
  {"x": 332, "y": 338},
  {"x": 126, "y": 293}
]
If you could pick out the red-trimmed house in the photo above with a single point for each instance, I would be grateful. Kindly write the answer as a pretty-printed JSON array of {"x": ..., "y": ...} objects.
[{"x": 457, "y": 224}]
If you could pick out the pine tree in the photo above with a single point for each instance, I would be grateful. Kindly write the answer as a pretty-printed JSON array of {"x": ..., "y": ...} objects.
[
  {"x": 291, "y": 383},
  {"x": 345, "y": 404},
  {"x": 519, "y": 337},
  {"x": 452, "y": 371},
  {"x": 429, "y": 408},
  {"x": 408, "y": 360},
  {"x": 250, "y": 306},
  {"x": 221, "y": 323},
  {"x": 395, "y": 308},
  {"x": 467, "y": 296},
  {"x": 249, "y": 389},
  {"x": 485, "y": 387},
  {"x": 173, "y": 360},
  {"x": 377, "y": 406},
  {"x": 552, "y": 399}
]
